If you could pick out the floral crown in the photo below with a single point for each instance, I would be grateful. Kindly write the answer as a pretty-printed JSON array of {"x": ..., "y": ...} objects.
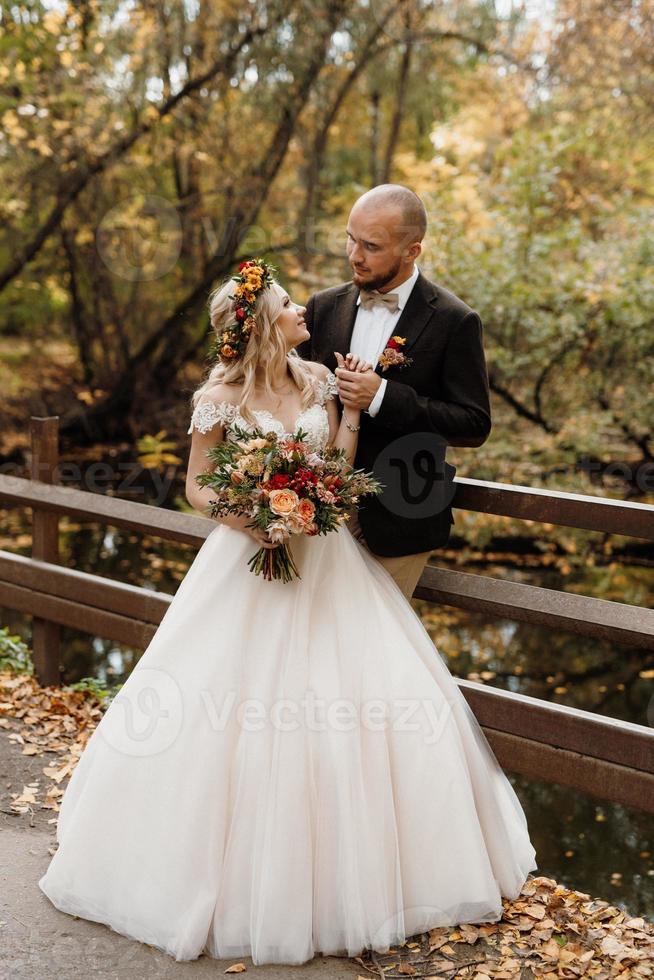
[{"x": 252, "y": 277}]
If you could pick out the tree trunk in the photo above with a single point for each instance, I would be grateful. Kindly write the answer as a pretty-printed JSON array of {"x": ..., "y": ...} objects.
[
  {"x": 163, "y": 351},
  {"x": 396, "y": 122},
  {"x": 80, "y": 326},
  {"x": 74, "y": 183},
  {"x": 375, "y": 99},
  {"x": 313, "y": 194}
]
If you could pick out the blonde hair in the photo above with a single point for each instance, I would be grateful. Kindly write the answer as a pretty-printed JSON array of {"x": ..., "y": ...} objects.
[{"x": 265, "y": 348}]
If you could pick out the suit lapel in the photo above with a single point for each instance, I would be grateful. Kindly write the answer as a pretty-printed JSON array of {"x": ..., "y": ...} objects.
[
  {"x": 418, "y": 311},
  {"x": 342, "y": 322},
  {"x": 412, "y": 321}
]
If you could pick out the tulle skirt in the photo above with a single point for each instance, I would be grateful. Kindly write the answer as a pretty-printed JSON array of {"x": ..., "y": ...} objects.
[{"x": 290, "y": 769}]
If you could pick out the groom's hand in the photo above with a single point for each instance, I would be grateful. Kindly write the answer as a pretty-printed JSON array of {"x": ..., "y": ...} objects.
[{"x": 356, "y": 388}]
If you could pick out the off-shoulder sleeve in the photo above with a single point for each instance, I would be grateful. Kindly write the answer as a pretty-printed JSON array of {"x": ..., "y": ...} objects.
[
  {"x": 328, "y": 386},
  {"x": 208, "y": 413}
]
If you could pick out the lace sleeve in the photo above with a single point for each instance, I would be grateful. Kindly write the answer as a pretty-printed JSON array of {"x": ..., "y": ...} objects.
[
  {"x": 207, "y": 414},
  {"x": 328, "y": 387}
]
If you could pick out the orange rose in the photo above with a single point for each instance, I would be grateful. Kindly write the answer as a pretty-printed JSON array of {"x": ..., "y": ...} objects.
[
  {"x": 306, "y": 509},
  {"x": 282, "y": 502},
  {"x": 295, "y": 523},
  {"x": 256, "y": 444}
]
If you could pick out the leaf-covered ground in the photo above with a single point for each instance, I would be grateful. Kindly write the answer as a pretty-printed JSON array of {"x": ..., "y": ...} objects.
[{"x": 548, "y": 931}]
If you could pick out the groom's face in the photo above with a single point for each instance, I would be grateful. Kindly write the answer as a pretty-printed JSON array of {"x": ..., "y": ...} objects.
[{"x": 377, "y": 247}]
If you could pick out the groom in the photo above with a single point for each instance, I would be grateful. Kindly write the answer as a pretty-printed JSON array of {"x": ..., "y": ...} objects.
[{"x": 439, "y": 395}]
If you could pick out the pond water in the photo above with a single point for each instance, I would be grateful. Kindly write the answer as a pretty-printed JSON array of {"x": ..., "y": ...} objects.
[{"x": 596, "y": 847}]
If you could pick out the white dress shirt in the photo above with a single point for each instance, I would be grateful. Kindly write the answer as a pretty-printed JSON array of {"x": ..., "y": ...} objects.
[{"x": 373, "y": 329}]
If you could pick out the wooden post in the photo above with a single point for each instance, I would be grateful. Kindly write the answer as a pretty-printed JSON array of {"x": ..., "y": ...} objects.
[{"x": 44, "y": 435}]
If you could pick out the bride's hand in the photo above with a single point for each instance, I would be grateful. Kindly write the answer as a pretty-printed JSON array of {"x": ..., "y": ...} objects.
[
  {"x": 354, "y": 363},
  {"x": 238, "y": 522},
  {"x": 261, "y": 537}
]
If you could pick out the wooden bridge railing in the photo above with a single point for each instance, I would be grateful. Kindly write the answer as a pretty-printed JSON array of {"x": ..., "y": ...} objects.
[{"x": 603, "y": 756}]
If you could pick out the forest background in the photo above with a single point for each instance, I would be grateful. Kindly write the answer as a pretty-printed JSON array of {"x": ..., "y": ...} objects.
[{"x": 147, "y": 146}]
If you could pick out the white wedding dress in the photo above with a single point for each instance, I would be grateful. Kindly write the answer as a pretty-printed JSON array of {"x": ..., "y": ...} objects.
[{"x": 290, "y": 769}]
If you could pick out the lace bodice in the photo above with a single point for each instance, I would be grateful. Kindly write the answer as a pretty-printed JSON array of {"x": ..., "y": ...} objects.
[{"x": 314, "y": 419}]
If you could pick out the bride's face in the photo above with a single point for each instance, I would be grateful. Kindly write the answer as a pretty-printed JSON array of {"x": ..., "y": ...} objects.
[{"x": 291, "y": 320}]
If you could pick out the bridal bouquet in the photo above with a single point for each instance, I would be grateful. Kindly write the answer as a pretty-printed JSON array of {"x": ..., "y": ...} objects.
[{"x": 286, "y": 488}]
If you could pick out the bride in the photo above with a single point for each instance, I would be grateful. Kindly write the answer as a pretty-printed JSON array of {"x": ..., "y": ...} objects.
[{"x": 290, "y": 769}]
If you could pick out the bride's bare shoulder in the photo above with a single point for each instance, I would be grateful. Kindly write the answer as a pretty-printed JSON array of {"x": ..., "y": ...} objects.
[
  {"x": 223, "y": 392},
  {"x": 319, "y": 370}
]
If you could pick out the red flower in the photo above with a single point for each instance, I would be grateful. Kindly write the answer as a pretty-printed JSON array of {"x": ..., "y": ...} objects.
[
  {"x": 302, "y": 478},
  {"x": 240, "y": 314},
  {"x": 278, "y": 482},
  {"x": 393, "y": 344},
  {"x": 243, "y": 265}
]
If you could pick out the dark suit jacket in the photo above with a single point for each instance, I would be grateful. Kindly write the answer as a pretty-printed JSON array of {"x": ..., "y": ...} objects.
[{"x": 443, "y": 391}]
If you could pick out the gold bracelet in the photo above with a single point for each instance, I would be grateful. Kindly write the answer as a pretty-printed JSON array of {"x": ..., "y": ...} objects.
[{"x": 352, "y": 428}]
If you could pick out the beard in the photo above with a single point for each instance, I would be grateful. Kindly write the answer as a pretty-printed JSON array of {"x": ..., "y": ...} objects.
[{"x": 379, "y": 281}]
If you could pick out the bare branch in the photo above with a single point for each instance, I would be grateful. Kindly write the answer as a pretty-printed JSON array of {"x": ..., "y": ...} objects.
[{"x": 75, "y": 182}]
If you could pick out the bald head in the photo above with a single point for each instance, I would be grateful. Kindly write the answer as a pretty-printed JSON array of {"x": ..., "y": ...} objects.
[
  {"x": 384, "y": 236},
  {"x": 410, "y": 209}
]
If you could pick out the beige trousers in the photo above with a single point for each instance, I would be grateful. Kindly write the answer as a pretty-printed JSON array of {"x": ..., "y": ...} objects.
[{"x": 405, "y": 569}]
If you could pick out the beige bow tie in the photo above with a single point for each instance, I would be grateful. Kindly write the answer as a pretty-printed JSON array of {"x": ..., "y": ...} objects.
[{"x": 370, "y": 298}]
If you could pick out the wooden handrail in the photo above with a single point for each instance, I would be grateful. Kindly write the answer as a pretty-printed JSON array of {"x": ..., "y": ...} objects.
[
  {"x": 602, "y": 618},
  {"x": 103, "y": 509},
  {"x": 556, "y": 507},
  {"x": 502, "y": 499}
]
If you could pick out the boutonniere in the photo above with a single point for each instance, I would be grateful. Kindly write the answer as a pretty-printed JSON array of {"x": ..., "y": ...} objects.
[{"x": 392, "y": 355}]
